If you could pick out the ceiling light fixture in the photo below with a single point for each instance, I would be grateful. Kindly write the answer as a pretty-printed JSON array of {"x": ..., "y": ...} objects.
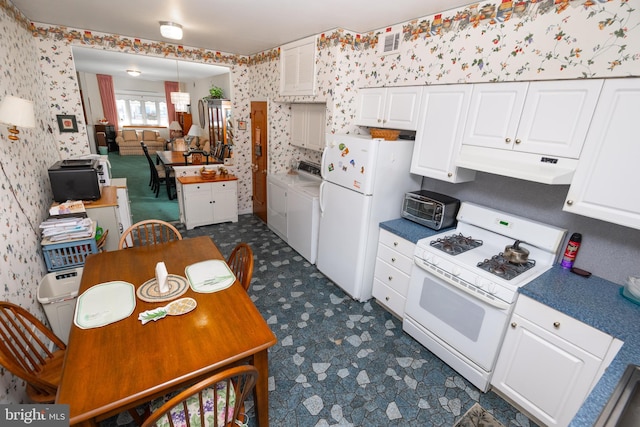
[
  {"x": 171, "y": 30},
  {"x": 133, "y": 73}
]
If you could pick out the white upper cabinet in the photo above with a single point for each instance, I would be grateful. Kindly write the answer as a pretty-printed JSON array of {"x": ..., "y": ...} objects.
[
  {"x": 544, "y": 117},
  {"x": 308, "y": 125},
  {"x": 439, "y": 134},
  {"x": 533, "y": 131},
  {"x": 392, "y": 108},
  {"x": 298, "y": 67},
  {"x": 604, "y": 183}
]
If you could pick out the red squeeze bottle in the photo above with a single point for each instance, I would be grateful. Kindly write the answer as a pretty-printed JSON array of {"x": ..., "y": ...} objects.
[{"x": 571, "y": 251}]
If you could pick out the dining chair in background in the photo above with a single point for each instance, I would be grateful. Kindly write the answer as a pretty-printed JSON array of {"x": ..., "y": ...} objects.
[
  {"x": 196, "y": 157},
  {"x": 241, "y": 263},
  {"x": 158, "y": 173},
  {"x": 220, "y": 398},
  {"x": 148, "y": 232}
]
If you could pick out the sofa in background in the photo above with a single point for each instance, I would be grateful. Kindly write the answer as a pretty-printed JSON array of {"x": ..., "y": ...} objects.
[{"x": 129, "y": 140}]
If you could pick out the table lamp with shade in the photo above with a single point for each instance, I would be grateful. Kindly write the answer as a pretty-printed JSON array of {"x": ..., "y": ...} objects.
[
  {"x": 195, "y": 132},
  {"x": 175, "y": 130},
  {"x": 15, "y": 112}
]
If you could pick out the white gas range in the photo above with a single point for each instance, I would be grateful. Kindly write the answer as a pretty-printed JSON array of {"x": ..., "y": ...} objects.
[{"x": 462, "y": 293}]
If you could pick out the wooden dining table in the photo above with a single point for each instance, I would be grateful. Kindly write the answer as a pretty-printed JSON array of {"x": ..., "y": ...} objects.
[
  {"x": 169, "y": 159},
  {"x": 119, "y": 366}
]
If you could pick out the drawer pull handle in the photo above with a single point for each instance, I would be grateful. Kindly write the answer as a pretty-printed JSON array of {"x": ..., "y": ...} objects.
[
  {"x": 514, "y": 324},
  {"x": 390, "y": 278},
  {"x": 386, "y": 298},
  {"x": 556, "y": 325},
  {"x": 393, "y": 259},
  {"x": 395, "y": 243}
]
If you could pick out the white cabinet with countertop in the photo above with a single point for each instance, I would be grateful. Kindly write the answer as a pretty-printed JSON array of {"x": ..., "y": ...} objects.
[
  {"x": 392, "y": 107},
  {"x": 549, "y": 362},
  {"x": 392, "y": 272},
  {"x": 204, "y": 202},
  {"x": 298, "y": 67},
  {"x": 308, "y": 125},
  {"x": 532, "y": 131},
  {"x": 603, "y": 186},
  {"x": 439, "y": 135},
  {"x": 105, "y": 212}
]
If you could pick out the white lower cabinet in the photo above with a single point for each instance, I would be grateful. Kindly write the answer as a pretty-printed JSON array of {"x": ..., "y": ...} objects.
[
  {"x": 277, "y": 208},
  {"x": 549, "y": 362},
  {"x": 392, "y": 272},
  {"x": 208, "y": 202}
]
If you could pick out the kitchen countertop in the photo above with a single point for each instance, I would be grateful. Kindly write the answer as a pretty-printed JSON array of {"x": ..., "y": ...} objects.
[{"x": 594, "y": 301}]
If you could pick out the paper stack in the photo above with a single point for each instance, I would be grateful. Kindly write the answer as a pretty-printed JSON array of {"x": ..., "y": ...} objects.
[{"x": 61, "y": 229}]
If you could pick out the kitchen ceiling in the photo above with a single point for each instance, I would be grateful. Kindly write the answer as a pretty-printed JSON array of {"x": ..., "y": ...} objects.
[{"x": 242, "y": 27}]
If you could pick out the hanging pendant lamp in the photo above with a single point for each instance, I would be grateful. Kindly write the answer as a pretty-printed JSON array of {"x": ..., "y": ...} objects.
[{"x": 180, "y": 100}]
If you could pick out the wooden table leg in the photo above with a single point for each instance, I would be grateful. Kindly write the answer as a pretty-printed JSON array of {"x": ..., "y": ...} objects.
[{"x": 261, "y": 395}]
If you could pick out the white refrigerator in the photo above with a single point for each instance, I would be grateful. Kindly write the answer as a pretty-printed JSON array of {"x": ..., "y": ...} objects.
[{"x": 364, "y": 182}]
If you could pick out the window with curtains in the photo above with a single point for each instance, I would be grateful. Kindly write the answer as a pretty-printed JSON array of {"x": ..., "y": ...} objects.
[{"x": 142, "y": 110}]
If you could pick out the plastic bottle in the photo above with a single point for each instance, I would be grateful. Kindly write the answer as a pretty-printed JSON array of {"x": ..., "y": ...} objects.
[{"x": 571, "y": 251}]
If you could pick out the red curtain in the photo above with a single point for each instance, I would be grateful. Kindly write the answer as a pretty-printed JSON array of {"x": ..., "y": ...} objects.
[
  {"x": 168, "y": 88},
  {"x": 108, "y": 96}
]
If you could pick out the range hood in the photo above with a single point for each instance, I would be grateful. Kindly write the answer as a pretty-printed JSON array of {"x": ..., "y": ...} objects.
[{"x": 516, "y": 164}]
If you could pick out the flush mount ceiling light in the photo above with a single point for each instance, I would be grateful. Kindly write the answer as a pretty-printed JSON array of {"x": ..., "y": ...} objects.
[
  {"x": 171, "y": 30},
  {"x": 133, "y": 73}
]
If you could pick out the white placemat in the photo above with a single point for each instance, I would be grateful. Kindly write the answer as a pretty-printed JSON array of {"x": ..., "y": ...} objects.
[
  {"x": 209, "y": 276},
  {"x": 104, "y": 303}
]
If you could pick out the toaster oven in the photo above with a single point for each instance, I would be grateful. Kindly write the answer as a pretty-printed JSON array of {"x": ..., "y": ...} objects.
[{"x": 433, "y": 210}]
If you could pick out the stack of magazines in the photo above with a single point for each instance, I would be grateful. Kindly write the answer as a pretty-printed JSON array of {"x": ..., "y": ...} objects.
[{"x": 69, "y": 228}]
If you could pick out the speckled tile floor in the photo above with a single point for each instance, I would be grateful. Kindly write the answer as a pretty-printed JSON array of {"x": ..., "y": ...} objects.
[{"x": 338, "y": 361}]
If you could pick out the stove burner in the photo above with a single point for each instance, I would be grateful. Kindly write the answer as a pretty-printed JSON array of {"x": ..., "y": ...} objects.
[
  {"x": 499, "y": 266},
  {"x": 455, "y": 244}
]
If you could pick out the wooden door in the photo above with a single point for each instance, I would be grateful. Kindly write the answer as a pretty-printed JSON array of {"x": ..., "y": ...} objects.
[{"x": 259, "y": 151}]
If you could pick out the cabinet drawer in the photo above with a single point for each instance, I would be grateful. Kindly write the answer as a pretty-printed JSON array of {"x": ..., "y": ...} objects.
[
  {"x": 392, "y": 277},
  {"x": 403, "y": 246},
  {"x": 196, "y": 188},
  {"x": 580, "y": 334},
  {"x": 395, "y": 258},
  {"x": 389, "y": 298}
]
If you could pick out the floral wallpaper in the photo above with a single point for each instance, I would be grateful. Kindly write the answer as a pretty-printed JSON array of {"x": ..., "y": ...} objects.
[{"x": 488, "y": 41}]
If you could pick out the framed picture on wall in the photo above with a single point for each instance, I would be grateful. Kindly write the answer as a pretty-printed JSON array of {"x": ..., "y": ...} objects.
[{"x": 67, "y": 123}]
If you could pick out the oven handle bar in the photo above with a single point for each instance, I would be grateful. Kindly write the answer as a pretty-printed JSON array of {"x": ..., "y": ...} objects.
[{"x": 469, "y": 289}]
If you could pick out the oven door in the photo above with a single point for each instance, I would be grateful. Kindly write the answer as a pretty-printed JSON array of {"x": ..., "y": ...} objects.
[{"x": 455, "y": 321}]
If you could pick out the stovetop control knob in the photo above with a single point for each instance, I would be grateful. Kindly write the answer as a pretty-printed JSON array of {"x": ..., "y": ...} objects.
[
  {"x": 491, "y": 288},
  {"x": 456, "y": 270}
]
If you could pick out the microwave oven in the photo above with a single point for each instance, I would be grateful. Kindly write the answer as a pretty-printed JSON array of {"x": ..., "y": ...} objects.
[
  {"x": 433, "y": 210},
  {"x": 75, "y": 179}
]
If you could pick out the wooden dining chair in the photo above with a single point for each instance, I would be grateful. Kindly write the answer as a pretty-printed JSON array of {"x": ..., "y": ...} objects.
[
  {"x": 158, "y": 174},
  {"x": 241, "y": 263},
  {"x": 31, "y": 352},
  {"x": 148, "y": 232},
  {"x": 219, "y": 398}
]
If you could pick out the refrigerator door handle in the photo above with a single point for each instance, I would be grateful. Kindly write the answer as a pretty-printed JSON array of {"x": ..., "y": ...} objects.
[
  {"x": 324, "y": 154},
  {"x": 321, "y": 198}
]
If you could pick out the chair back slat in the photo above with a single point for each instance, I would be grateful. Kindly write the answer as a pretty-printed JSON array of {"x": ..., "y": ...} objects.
[
  {"x": 149, "y": 232},
  {"x": 241, "y": 263}
]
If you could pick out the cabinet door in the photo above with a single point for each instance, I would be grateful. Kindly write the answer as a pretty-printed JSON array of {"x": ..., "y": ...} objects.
[
  {"x": 556, "y": 117},
  {"x": 370, "y": 106},
  {"x": 494, "y": 114},
  {"x": 401, "y": 107},
  {"x": 609, "y": 161},
  {"x": 225, "y": 201},
  {"x": 546, "y": 375},
  {"x": 277, "y": 209},
  {"x": 439, "y": 135},
  {"x": 298, "y": 125},
  {"x": 198, "y": 206},
  {"x": 316, "y": 128},
  {"x": 298, "y": 67}
]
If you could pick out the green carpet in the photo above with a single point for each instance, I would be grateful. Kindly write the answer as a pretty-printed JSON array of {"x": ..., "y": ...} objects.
[{"x": 144, "y": 204}]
